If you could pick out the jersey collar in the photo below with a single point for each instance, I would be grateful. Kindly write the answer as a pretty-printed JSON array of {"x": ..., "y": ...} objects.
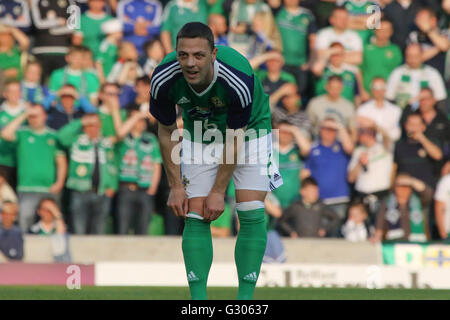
[{"x": 216, "y": 72}]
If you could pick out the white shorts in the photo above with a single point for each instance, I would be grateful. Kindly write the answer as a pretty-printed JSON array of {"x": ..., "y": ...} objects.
[{"x": 255, "y": 170}]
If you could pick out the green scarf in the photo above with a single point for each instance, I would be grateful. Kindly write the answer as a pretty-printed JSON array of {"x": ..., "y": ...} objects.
[{"x": 417, "y": 232}]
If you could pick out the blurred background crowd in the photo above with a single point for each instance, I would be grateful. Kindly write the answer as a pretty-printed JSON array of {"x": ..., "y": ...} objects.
[{"x": 358, "y": 91}]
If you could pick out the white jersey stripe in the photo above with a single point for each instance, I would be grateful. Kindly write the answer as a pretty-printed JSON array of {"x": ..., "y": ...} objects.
[
  {"x": 170, "y": 76},
  {"x": 247, "y": 91},
  {"x": 234, "y": 87},
  {"x": 160, "y": 76}
]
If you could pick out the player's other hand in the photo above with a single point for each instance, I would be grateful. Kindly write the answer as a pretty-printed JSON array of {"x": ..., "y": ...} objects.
[
  {"x": 178, "y": 201},
  {"x": 214, "y": 206}
]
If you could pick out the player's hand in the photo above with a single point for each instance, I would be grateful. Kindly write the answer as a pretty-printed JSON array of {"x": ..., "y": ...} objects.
[
  {"x": 178, "y": 201},
  {"x": 214, "y": 206},
  {"x": 294, "y": 235},
  {"x": 151, "y": 191}
]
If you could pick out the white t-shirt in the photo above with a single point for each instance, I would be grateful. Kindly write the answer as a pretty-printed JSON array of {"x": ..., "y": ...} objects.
[
  {"x": 379, "y": 169},
  {"x": 386, "y": 117},
  {"x": 443, "y": 194},
  {"x": 412, "y": 87},
  {"x": 349, "y": 39}
]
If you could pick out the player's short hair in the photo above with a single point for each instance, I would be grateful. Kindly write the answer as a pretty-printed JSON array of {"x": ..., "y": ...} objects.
[
  {"x": 196, "y": 30},
  {"x": 310, "y": 181},
  {"x": 44, "y": 199}
]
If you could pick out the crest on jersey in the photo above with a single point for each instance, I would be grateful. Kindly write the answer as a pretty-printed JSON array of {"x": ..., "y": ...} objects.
[{"x": 217, "y": 102}]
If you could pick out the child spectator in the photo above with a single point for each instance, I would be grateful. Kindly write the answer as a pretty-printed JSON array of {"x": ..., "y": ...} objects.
[
  {"x": 356, "y": 229},
  {"x": 125, "y": 71},
  {"x": 155, "y": 54},
  {"x": 11, "y": 239},
  {"x": 32, "y": 89},
  {"x": 308, "y": 217},
  {"x": 10, "y": 53},
  {"x": 66, "y": 106},
  {"x": 50, "y": 219},
  {"x": 86, "y": 83}
]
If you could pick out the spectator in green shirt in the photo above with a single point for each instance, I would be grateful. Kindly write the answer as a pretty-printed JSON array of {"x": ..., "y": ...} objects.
[
  {"x": 12, "y": 107},
  {"x": 86, "y": 83},
  {"x": 107, "y": 54},
  {"x": 139, "y": 173},
  {"x": 176, "y": 14},
  {"x": 90, "y": 33},
  {"x": 41, "y": 164},
  {"x": 10, "y": 53},
  {"x": 380, "y": 57}
]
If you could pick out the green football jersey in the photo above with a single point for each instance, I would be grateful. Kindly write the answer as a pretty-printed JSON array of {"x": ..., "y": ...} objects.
[
  {"x": 7, "y": 149},
  {"x": 176, "y": 15},
  {"x": 294, "y": 30},
  {"x": 137, "y": 156},
  {"x": 379, "y": 62},
  {"x": 289, "y": 164},
  {"x": 85, "y": 82},
  {"x": 91, "y": 28},
  {"x": 361, "y": 8},
  {"x": 348, "y": 78},
  {"x": 234, "y": 99},
  {"x": 36, "y": 174}
]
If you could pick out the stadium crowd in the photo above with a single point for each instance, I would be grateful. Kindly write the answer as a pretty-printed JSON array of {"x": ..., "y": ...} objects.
[{"x": 358, "y": 91}]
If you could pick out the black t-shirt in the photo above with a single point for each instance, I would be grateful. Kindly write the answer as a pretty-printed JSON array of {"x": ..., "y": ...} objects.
[{"x": 411, "y": 158}]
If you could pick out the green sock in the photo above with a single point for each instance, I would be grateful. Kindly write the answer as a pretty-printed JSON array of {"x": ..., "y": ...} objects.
[
  {"x": 250, "y": 246},
  {"x": 198, "y": 254}
]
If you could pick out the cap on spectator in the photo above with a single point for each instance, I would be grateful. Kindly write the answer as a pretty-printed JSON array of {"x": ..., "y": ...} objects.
[
  {"x": 113, "y": 25},
  {"x": 68, "y": 91}
]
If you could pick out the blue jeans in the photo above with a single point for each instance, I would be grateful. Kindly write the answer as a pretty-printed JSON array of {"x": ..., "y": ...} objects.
[
  {"x": 134, "y": 210},
  {"x": 89, "y": 212},
  {"x": 28, "y": 202}
]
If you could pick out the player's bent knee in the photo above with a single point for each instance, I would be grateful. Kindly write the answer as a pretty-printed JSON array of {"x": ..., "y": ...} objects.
[{"x": 251, "y": 211}]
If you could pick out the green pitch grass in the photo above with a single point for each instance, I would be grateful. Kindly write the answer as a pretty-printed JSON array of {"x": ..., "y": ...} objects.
[{"x": 215, "y": 293}]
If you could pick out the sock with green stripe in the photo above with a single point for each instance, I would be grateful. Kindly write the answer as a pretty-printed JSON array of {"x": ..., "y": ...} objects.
[
  {"x": 198, "y": 254},
  {"x": 250, "y": 246}
]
